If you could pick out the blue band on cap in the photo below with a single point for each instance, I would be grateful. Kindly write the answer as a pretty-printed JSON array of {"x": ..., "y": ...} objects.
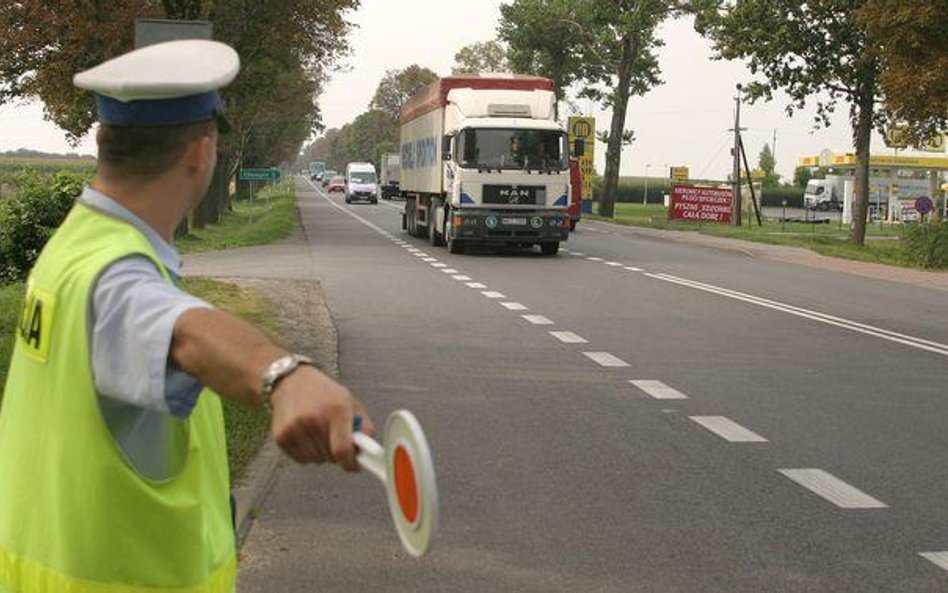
[{"x": 159, "y": 112}]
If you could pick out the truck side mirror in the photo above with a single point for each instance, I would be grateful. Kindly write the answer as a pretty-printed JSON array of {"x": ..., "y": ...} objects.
[
  {"x": 446, "y": 148},
  {"x": 579, "y": 147}
]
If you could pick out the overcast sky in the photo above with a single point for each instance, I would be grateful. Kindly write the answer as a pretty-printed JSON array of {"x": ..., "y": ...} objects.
[{"x": 682, "y": 122}]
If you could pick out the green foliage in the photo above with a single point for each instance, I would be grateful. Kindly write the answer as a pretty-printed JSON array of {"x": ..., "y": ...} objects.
[
  {"x": 802, "y": 176},
  {"x": 477, "y": 58},
  {"x": 398, "y": 86},
  {"x": 767, "y": 164},
  {"x": 11, "y": 301},
  {"x": 29, "y": 220},
  {"x": 926, "y": 245}
]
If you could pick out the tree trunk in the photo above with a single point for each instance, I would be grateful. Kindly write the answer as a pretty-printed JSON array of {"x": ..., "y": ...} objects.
[
  {"x": 862, "y": 136},
  {"x": 620, "y": 104}
]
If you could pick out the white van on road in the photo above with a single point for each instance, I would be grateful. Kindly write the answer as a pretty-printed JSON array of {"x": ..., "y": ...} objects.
[{"x": 361, "y": 183}]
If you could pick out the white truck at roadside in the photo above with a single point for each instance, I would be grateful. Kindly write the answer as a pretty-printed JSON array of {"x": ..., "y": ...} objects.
[
  {"x": 884, "y": 192},
  {"x": 483, "y": 161}
]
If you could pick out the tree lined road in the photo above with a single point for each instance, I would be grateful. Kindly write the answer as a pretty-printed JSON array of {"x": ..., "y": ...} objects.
[{"x": 632, "y": 415}]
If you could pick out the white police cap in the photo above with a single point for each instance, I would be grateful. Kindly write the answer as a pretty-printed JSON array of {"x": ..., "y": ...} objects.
[{"x": 168, "y": 83}]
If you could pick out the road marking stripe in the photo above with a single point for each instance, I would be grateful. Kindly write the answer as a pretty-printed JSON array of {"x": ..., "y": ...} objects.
[
  {"x": 515, "y": 306},
  {"x": 657, "y": 389},
  {"x": 633, "y": 269},
  {"x": 595, "y": 259},
  {"x": 832, "y": 488},
  {"x": 939, "y": 558},
  {"x": 922, "y": 344},
  {"x": 477, "y": 285},
  {"x": 493, "y": 294},
  {"x": 420, "y": 254},
  {"x": 577, "y": 254},
  {"x": 461, "y": 277},
  {"x": 605, "y": 359},
  {"x": 728, "y": 430},
  {"x": 614, "y": 264},
  {"x": 429, "y": 259},
  {"x": 439, "y": 265},
  {"x": 449, "y": 271},
  {"x": 537, "y": 319},
  {"x": 569, "y": 338}
]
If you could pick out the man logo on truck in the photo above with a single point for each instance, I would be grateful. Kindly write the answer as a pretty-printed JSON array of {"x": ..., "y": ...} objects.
[{"x": 514, "y": 195}]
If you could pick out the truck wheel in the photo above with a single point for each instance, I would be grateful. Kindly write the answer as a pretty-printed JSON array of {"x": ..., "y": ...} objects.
[
  {"x": 455, "y": 245},
  {"x": 549, "y": 247},
  {"x": 437, "y": 239}
]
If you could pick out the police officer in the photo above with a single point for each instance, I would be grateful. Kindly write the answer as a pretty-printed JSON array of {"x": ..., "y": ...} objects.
[{"x": 113, "y": 467}]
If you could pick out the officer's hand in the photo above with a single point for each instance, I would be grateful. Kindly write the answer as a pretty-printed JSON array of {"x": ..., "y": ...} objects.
[{"x": 312, "y": 418}]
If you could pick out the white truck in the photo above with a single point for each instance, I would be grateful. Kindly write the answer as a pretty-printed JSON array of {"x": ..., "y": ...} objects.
[
  {"x": 884, "y": 192},
  {"x": 361, "y": 183},
  {"x": 483, "y": 161},
  {"x": 389, "y": 179}
]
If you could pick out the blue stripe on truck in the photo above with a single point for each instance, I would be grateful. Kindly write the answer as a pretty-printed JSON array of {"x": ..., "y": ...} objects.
[
  {"x": 466, "y": 199},
  {"x": 562, "y": 201}
]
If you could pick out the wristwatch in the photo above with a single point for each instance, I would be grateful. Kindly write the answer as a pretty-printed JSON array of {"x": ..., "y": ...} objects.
[{"x": 277, "y": 370}]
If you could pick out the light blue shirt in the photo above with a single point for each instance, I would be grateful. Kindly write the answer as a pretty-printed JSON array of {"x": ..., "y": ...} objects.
[{"x": 134, "y": 311}]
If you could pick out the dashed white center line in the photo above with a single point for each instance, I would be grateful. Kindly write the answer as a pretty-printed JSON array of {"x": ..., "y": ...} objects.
[
  {"x": 657, "y": 389},
  {"x": 420, "y": 254},
  {"x": 449, "y": 271},
  {"x": 832, "y": 489},
  {"x": 439, "y": 265},
  {"x": 429, "y": 259},
  {"x": 632, "y": 269},
  {"x": 605, "y": 359},
  {"x": 569, "y": 338},
  {"x": 939, "y": 558},
  {"x": 461, "y": 277},
  {"x": 728, "y": 430},
  {"x": 577, "y": 254},
  {"x": 492, "y": 294},
  {"x": 595, "y": 259},
  {"x": 537, "y": 319},
  {"x": 514, "y": 306},
  {"x": 614, "y": 264},
  {"x": 477, "y": 285}
]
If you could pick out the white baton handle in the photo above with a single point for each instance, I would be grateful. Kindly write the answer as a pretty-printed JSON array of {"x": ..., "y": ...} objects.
[{"x": 371, "y": 455}]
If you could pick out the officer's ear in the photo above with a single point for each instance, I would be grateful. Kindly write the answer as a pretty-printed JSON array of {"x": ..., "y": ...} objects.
[{"x": 201, "y": 154}]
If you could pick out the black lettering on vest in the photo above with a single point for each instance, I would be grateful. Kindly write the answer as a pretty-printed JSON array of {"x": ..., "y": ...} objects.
[{"x": 31, "y": 321}]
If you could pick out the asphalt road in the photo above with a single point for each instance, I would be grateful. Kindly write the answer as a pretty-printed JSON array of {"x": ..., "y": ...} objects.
[{"x": 710, "y": 422}]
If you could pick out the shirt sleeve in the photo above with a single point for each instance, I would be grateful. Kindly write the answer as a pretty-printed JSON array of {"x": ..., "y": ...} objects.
[{"x": 134, "y": 312}]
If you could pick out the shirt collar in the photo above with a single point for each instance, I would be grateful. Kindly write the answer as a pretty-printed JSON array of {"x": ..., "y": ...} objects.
[{"x": 167, "y": 255}]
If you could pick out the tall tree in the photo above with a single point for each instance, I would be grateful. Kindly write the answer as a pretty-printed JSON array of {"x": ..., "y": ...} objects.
[
  {"x": 815, "y": 50},
  {"x": 542, "y": 37},
  {"x": 619, "y": 62},
  {"x": 767, "y": 164},
  {"x": 397, "y": 86},
  {"x": 911, "y": 38},
  {"x": 476, "y": 58}
]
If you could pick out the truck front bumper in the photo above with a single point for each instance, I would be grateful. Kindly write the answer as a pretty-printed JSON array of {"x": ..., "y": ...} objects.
[{"x": 517, "y": 226}]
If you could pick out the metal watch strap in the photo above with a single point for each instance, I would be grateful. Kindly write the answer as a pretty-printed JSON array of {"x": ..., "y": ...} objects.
[{"x": 278, "y": 370}]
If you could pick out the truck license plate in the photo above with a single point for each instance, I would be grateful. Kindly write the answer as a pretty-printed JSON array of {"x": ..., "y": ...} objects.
[{"x": 514, "y": 221}]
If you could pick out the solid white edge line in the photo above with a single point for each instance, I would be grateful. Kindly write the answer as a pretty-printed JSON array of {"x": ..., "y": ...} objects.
[
  {"x": 728, "y": 430},
  {"x": 832, "y": 489},
  {"x": 657, "y": 389}
]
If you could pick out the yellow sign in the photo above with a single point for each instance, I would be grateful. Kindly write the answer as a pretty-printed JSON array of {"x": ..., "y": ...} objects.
[
  {"x": 897, "y": 137},
  {"x": 36, "y": 322},
  {"x": 910, "y": 162},
  {"x": 679, "y": 173},
  {"x": 934, "y": 143},
  {"x": 809, "y": 161},
  {"x": 584, "y": 128}
]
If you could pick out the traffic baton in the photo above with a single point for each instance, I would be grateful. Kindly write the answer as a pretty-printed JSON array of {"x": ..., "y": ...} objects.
[{"x": 403, "y": 463}]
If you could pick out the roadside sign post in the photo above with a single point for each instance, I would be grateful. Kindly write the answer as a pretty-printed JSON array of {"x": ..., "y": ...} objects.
[{"x": 252, "y": 175}]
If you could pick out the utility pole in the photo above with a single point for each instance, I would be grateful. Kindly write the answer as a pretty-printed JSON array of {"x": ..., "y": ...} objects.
[{"x": 736, "y": 152}]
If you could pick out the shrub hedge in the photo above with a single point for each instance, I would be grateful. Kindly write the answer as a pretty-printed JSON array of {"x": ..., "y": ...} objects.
[
  {"x": 631, "y": 190},
  {"x": 926, "y": 245},
  {"x": 28, "y": 220}
]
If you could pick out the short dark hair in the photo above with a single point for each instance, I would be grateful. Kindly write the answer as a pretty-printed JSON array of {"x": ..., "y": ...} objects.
[{"x": 145, "y": 152}]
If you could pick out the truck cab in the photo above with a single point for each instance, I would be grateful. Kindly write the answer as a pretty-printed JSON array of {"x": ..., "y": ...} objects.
[{"x": 822, "y": 194}]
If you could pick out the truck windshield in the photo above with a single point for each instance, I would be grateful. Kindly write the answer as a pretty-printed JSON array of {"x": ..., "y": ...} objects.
[
  {"x": 362, "y": 177},
  {"x": 494, "y": 148}
]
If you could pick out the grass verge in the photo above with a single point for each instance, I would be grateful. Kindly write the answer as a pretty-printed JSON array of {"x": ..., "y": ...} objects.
[
  {"x": 882, "y": 243},
  {"x": 269, "y": 217}
]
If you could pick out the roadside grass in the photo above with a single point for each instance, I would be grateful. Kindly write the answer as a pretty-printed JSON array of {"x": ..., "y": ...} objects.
[
  {"x": 882, "y": 242},
  {"x": 11, "y": 300},
  {"x": 270, "y": 217}
]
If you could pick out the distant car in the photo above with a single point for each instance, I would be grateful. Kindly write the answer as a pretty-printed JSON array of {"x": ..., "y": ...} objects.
[
  {"x": 337, "y": 183},
  {"x": 327, "y": 176}
]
